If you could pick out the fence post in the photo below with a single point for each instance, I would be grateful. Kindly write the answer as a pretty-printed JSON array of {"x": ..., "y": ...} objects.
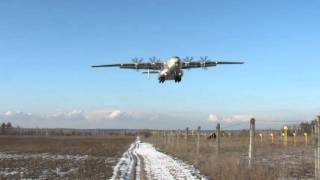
[
  {"x": 315, "y": 151},
  {"x": 317, "y": 148},
  {"x": 198, "y": 139},
  {"x": 187, "y": 134},
  {"x": 186, "y": 139},
  {"x": 252, "y": 142},
  {"x": 272, "y": 137},
  {"x": 285, "y": 137},
  {"x": 218, "y": 138},
  {"x": 178, "y": 137}
]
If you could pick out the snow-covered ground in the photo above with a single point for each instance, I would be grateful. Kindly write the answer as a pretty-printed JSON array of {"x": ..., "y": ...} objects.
[
  {"x": 154, "y": 164},
  {"x": 48, "y": 166}
]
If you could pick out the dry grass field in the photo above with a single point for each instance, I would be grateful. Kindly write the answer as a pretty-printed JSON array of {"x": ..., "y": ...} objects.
[
  {"x": 272, "y": 161},
  {"x": 73, "y": 157}
]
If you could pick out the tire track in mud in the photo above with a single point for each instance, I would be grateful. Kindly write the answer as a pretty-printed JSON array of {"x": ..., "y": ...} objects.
[
  {"x": 133, "y": 173},
  {"x": 128, "y": 167},
  {"x": 125, "y": 165},
  {"x": 142, "y": 168},
  {"x": 143, "y": 161}
]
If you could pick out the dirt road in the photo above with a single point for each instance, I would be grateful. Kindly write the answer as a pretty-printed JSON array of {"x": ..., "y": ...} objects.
[{"x": 143, "y": 161}]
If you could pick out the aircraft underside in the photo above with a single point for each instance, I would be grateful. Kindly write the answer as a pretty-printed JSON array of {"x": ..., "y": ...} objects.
[{"x": 176, "y": 76}]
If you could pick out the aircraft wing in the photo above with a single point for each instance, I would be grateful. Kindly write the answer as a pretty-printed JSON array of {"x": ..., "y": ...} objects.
[
  {"x": 153, "y": 66},
  {"x": 204, "y": 64}
]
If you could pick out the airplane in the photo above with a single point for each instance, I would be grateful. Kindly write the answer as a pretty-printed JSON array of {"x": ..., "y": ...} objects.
[{"x": 172, "y": 69}]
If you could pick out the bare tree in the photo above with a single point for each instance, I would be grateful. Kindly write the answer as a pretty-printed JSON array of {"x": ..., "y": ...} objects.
[
  {"x": 306, "y": 127},
  {"x": 9, "y": 125},
  {"x": 3, "y": 126}
]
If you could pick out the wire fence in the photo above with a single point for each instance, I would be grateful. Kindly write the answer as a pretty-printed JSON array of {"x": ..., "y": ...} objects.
[{"x": 225, "y": 153}]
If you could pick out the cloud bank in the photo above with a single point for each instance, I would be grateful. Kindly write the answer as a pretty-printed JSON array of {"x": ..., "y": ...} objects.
[
  {"x": 102, "y": 119},
  {"x": 72, "y": 119},
  {"x": 118, "y": 119},
  {"x": 230, "y": 118}
]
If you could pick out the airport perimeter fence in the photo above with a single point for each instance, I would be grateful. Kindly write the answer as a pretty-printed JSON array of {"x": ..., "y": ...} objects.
[{"x": 229, "y": 154}]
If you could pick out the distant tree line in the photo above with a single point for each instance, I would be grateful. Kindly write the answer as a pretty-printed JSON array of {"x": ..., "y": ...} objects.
[
  {"x": 301, "y": 128},
  {"x": 9, "y": 129},
  {"x": 307, "y": 127},
  {"x": 6, "y": 125}
]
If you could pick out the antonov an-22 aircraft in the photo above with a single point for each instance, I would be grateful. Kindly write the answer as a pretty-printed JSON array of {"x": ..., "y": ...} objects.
[{"x": 172, "y": 69}]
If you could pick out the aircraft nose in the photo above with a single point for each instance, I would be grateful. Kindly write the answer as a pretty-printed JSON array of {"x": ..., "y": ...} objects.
[{"x": 177, "y": 62}]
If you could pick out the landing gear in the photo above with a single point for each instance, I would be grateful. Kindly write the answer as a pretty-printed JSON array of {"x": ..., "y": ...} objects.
[
  {"x": 177, "y": 79},
  {"x": 178, "y": 76},
  {"x": 162, "y": 79}
]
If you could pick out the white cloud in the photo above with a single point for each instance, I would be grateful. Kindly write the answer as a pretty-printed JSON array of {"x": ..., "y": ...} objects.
[
  {"x": 230, "y": 118},
  {"x": 238, "y": 118},
  {"x": 8, "y": 113},
  {"x": 115, "y": 118},
  {"x": 75, "y": 116},
  {"x": 213, "y": 118},
  {"x": 101, "y": 115},
  {"x": 114, "y": 114},
  {"x": 101, "y": 119},
  {"x": 75, "y": 112}
]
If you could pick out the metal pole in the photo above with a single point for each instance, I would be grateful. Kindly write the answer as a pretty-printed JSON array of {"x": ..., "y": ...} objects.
[
  {"x": 317, "y": 148},
  {"x": 178, "y": 135},
  {"x": 198, "y": 139},
  {"x": 218, "y": 138},
  {"x": 187, "y": 133},
  {"x": 186, "y": 142},
  {"x": 252, "y": 142}
]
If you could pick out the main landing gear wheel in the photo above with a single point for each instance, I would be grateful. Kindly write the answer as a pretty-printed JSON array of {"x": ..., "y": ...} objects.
[
  {"x": 161, "y": 80},
  {"x": 177, "y": 79}
]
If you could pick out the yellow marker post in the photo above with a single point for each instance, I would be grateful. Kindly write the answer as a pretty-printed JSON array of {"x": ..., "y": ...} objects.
[
  {"x": 261, "y": 137},
  {"x": 305, "y": 138},
  {"x": 272, "y": 137},
  {"x": 285, "y": 135},
  {"x": 294, "y": 138}
]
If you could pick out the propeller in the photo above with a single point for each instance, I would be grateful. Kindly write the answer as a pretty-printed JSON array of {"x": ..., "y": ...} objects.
[
  {"x": 187, "y": 60},
  {"x": 203, "y": 61},
  {"x": 204, "y": 58},
  {"x": 137, "y": 61},
  {"x": 154, "y": 60}
]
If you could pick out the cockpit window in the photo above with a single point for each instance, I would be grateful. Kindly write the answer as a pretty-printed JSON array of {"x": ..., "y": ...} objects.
[{"x": 176, "y": 57}]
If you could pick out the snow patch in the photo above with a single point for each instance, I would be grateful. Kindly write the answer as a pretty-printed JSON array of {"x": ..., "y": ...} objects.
[
  {"x": 157, "y": 164},
  {"x": 124, "y": 166}
]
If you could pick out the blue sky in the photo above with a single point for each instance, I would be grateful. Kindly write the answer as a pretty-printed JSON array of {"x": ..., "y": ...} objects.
[{"x": 47, "y": 48}]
